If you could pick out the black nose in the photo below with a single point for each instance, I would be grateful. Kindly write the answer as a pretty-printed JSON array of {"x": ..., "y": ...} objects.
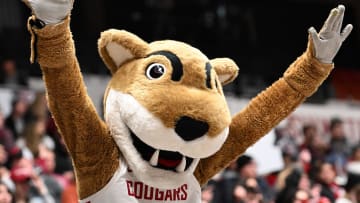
[{"x": 190, "y": 129}]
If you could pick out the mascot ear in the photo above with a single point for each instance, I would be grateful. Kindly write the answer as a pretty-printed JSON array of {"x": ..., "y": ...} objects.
[
  {"x": 225, "y": 68},
  {"x": 118, "y": 46}
]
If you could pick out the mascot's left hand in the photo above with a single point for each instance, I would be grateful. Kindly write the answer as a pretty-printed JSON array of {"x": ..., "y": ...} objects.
[
  {"x": 328, "y": 41},
  {"x": 50, "y": 11}
]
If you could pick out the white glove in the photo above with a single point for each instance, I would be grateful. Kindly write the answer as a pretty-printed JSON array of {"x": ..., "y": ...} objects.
[
  {"x": 328, "y": 41},
  {"x": 50, "y": 11}
]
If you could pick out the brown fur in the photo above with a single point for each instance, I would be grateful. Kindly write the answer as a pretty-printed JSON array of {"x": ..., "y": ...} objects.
[
  {"x": 94, "y": 153},
  {"x": 266, "y": 110},
  {"x": 168, "y": 100},
  {"x": 73, "y": 111}
]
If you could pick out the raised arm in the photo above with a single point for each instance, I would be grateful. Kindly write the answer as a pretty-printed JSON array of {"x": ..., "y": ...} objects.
[
  {"x": 86, "y": 136},
  {"x": 266, "y": 110}
]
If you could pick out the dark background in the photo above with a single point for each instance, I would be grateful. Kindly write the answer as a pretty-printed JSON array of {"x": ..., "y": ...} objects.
[{"x": 263, "y": 37}]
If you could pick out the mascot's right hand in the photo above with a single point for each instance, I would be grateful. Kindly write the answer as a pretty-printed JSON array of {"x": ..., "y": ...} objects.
[{"x": 50, "y": 11}]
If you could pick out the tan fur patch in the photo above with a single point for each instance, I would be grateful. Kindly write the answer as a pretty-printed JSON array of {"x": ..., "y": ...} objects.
[
  {"x": 169, "y": 100},
  {"x": 226, "y": 69},
  {"x": 136, "y": 46}
]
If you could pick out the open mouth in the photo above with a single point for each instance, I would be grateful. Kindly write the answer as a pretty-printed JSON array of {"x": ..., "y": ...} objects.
[{"x": 162, "y": 159}]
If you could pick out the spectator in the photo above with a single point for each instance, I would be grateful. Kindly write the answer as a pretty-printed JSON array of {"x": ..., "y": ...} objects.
[
  {"x": 11, "y": 76},
  {"x": 355, "y": 155},
  {"x": 38, "y": 108},
  {"x": 207, "y": 193},
  {"x": 239, "y": 194},
  {"x": 225, "y": 186},
  {"x": 247, "y": 168},
  {"x": 232, "y": 185},
  {"x": 30, "y": 186},
  {"x": 338, "y": 147},
  {"x": 352, "y": 185},
  {"x": 290, "y": 163},
  {"x": 309, "y": 133},
  {"x": 46, "y": 160},
  {"x": 5, "y": 195},
  {"x": 253, "y": 191},
  {"x": 325, "y": 176},
  {"x": 301, "y": 196},
  {"x": 15, "y": 121},
  {"x": 352, "y": 188},
  {"x": 4, "y": 172},
  {"x": 6, "y": 137},
  {"x": 289, "y": 135},
  {"x": 33, "y": 136},
  {"x": 313, "y": 146},
  {"x": 294, "y": 182}
]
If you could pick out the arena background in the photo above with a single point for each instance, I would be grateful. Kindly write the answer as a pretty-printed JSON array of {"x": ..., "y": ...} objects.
[{"x": 263, "y": 37}]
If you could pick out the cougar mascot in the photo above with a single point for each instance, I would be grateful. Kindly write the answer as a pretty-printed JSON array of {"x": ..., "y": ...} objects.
[{"x": 167, "y": 127}]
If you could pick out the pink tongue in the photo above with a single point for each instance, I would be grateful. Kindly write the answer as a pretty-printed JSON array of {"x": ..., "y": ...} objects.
[{"x": 169, "y": 163}]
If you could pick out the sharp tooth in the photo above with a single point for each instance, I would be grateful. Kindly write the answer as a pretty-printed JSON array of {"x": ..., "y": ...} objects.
[
  {"x": 181, "y": 166},
  {"x": 154, "y": 158}
]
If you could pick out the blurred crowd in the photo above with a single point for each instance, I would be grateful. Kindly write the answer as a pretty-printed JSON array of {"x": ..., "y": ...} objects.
[
  {"x": 318, "y": 168},
  {"x": 34, "y": 164}
]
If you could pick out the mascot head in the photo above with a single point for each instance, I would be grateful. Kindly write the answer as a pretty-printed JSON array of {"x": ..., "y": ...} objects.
[{"x": 164, "y": 105}]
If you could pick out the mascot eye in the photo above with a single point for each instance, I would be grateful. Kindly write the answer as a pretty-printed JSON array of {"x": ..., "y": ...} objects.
[{"x": 155, "y": 71}]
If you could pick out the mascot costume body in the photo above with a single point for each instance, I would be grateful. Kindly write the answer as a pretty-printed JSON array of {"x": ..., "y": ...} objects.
[{"x": 167, "y": 127}]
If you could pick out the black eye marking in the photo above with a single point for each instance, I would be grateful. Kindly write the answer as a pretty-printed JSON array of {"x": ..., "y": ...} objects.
[
  {"x": 176, "y": 64},
  {"x": 155, "y": 71},
  {"x": 208, "y": 68}
]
